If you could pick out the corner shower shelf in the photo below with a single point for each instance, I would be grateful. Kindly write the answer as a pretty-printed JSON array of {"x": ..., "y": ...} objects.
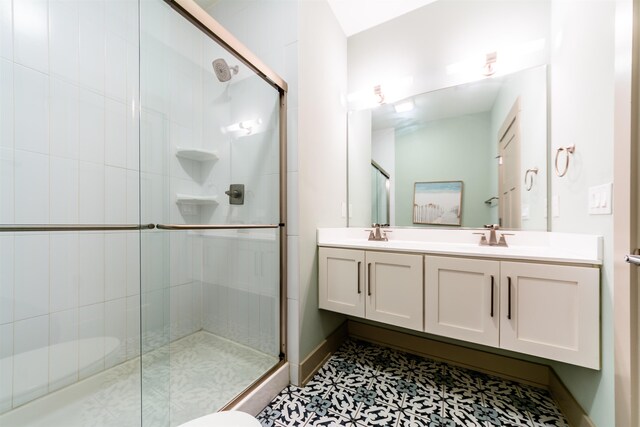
[
  {"x": 197, "y": 154},
  {"x": 196, "y": 200}
]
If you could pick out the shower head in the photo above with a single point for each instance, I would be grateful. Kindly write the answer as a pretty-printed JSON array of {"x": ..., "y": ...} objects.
[{"x": 223, "y": 71}]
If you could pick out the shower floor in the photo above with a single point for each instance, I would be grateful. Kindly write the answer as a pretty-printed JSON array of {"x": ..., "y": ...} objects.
[{"x": 191, "y": 377}]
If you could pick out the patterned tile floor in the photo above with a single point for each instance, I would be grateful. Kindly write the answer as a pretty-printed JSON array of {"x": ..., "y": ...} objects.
[{"x": 367, "y": 385}]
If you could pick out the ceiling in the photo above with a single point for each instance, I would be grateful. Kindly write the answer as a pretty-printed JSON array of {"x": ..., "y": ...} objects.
[{"x": 355, "y": 16}]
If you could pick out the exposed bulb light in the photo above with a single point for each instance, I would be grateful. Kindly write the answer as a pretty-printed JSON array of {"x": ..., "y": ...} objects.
[
  {"x": 489, "y": 67},
  {"x": 403, "y": 107},
  {"x": 246, "y": 126}
]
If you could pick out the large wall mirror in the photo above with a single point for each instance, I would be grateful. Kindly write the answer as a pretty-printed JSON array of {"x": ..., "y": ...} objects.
[{"x": 490, "y": 135}]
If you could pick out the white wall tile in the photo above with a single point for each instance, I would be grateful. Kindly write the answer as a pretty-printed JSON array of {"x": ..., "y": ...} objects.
[
  {"x": 153, "y": 323},
  {"x": 197, "y": 306},
  {"x": 116, "y": 17},
  {"x": 31, "y": 103},
  {"x": 6, "y": 366},
  {"x": 115, "y": 332},
  {"x": 6, "y": 102},
  {"x": 133, "y": 136},
  {"x": 6, "y": 29},
  {"x": 292, "y": 139},
  {"x": 133, "y": 326},
  {"x": 63, "y": 350},
  {"x": 133, "y": 73},
  {"x": 6, "y": 278},
  {"x": 6, "y": 186},
  {"x": 153, "y": 143},
  {"x": 64, "y": 262},
  {"x": 91, "y": 340},
  {"x": 91, "y": 127},
  {"x": 31, "y": 188},
  {"x": 115, "y": 247},
  {"x": 185, "y": 309},
  {"x": 115, "y": 149},
  {"x": 31, "y": 360},
  {"x": 92, "y": 45},
  {"x": 64, "y": 123},
  {"x": 31, "y": 34},
  {"x": 92, "y": 193},
  {"x": 116, "y": 66},
  {"x": 293, "y": 268},
  {"x": 91, "y": 268},
  {"x": 64, "y": 39},
  {"x": 181, "y": 254},
  {"x": 64, "y": 190},
  {"x": 293, "y": 210},
  {"x": 116, "y": 195},
  {"x": 31, "y": 289},
  {"x": 133, "y": 197},
  {"x": 133, "y": 264}
]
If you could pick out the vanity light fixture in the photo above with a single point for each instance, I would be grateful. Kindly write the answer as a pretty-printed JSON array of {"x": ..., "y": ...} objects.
[
  {"x": 403, "y": 107},
  {"x": 489, "y": 67},
  {"x": 377, "y": 91},
  {"x": 246, "y": 126}
]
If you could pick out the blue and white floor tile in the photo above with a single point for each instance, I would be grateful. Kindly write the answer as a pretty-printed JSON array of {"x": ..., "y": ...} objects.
[{"x": 363, "y": 384}]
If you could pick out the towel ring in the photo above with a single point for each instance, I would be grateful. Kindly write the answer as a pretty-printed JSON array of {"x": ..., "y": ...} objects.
[
  {"x": 570, "y": 150},
  {"x": 527, "y": 174}
]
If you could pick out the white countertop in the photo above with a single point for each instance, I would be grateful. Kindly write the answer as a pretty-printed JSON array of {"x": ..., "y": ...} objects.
[{"x": 523, "y": 245}]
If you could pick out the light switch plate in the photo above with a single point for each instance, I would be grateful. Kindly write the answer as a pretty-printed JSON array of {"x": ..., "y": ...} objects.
[{"x": 599, "y": 202}]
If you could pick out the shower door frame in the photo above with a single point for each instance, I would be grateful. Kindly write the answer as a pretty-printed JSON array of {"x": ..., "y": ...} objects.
[{"x": 190, "y": 10}]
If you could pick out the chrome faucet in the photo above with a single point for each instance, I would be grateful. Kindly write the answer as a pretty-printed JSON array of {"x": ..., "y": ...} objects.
[
  {"x": 493, "y": 239},
  {"x": 377, "y": 234}
]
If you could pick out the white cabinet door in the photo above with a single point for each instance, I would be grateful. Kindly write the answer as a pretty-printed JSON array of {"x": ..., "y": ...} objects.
[
  {"x": 551, "y": 311},
  {"x": 462, "y": 299},
  {"x": 395, "y": 289},
  {"x": 341, "y": 280}
]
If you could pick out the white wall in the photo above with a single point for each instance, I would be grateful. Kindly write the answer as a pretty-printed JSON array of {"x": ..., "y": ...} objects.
[
  {"x": 582, "y": 108},
  {"x": 321, "y": 155},
  {"x": 383, "y": 143}
]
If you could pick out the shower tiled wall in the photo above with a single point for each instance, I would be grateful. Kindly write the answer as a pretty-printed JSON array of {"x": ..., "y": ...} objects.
[
  {"x": 68, "y": 154},
  {"x": 77, "y": 147}
]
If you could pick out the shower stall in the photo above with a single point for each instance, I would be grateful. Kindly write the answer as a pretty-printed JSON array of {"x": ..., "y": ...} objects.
[{"x": 142, "y": 214}]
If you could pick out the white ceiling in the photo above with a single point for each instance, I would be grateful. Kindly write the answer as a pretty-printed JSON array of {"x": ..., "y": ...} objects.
[{"x": 358, "y": 15}]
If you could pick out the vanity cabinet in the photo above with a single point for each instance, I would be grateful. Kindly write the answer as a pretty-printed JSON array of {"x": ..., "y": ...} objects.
[
  {"x": 381, "y": 286},
  {"x": 462, "y": 299},
  {"x": 551, "y": 311}
]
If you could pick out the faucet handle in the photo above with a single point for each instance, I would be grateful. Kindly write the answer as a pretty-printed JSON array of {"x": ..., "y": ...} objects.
[{"x": 483, "y": 239}]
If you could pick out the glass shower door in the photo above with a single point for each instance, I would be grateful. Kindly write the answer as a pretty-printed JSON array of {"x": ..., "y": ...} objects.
[{"x": 210, "y": 178}]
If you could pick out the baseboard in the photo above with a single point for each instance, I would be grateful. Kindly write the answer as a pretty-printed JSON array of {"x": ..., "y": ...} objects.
[
  {"x": 567, "y": 403},
  {"x": 319, "y": 355},
  {"x": 502, "y": 366},
  {"x": 254, "y": 402}
]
